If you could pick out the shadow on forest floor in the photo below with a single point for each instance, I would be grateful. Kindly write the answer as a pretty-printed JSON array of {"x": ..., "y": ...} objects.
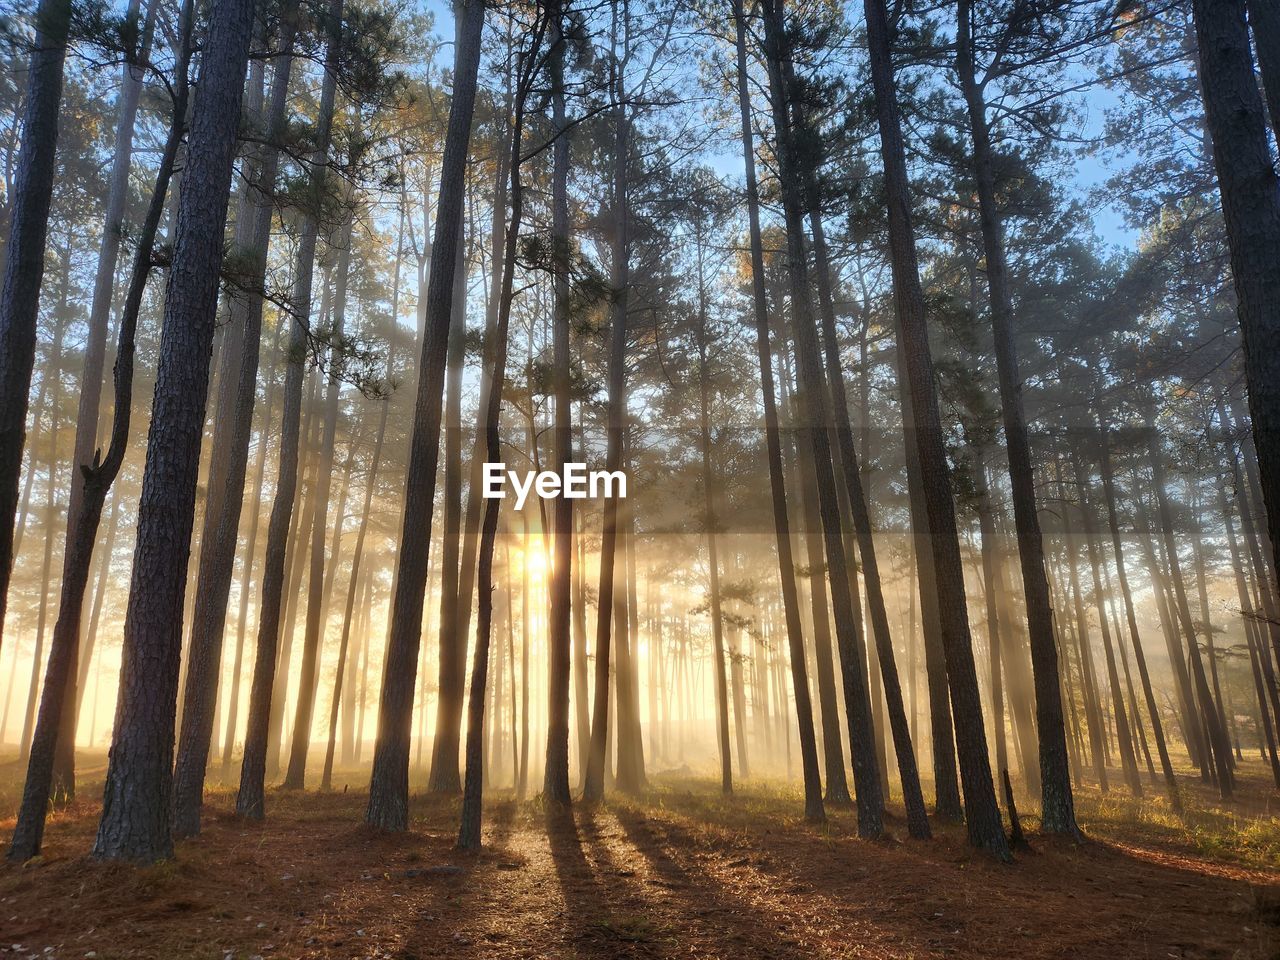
[{"x": 678, "y": 872}]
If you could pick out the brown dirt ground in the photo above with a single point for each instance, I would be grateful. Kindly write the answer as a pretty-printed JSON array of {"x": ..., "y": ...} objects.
[{"x": 680, "y": 873}]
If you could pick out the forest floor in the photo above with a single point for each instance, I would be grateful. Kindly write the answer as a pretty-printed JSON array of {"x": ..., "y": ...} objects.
[{"x": 680, "y": 872}]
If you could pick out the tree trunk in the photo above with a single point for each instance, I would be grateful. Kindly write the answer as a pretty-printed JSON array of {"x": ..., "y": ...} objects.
[
  {"x": 389, "y": 783},
  {"x": 490, "y": 408},
  {"x": 233, "y": 425},
  {"x": 815, "y": 424},
  {"x": 883, "y": 656},
  {"x": 1251, "y": 206},
  {"x": 1057, "y": 803},
  {"x": 593, "y": 783},
  {"x": 1128, "y": 759},
  {"x": 631, "y": 776},
  {"x": 1218, "y": 746},
  {"x": 987, "y": 530},
  {"x": 711, "y": 525},
  {"x": 54, "y": 374},
  {"x": 318, "y": 588},
  {"x": 581, "y": 695},
  {"x": 141, "y": 761},
  {"x": 24, "y": 258},
  {"x": 556, "y": 769},
  {"x": 819, "y": 609},
  {"x": 982, "y": 814},
  {"x": 444, "y": 777},
  {"x": 95, "y": 347},
  {"x": 1084, "y": 646},
  {"x": 341, "y": 690},
  {"x": 265, "y": 702}
]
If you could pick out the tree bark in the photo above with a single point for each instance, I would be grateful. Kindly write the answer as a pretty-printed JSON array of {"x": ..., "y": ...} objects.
[
  {"x": 233, "y": 425},
  {"x": 24, "y": 258},
  {"x": 1057, "y": 802},
  {"x": 593, "y": 782},
  {"x": 318, "y": 589},
  {"x": 1217, "y": 745},
  {"x": 444, "y": 776},
  {"x": 913, "y": 797},
  {"x": 98, "y": 478},
  {"x": 265, "y": 702},
  {"x": 490, "y": 409},
  {"x": 389, "y": 783},
  {"x": 95, "y": 347},
  {"x": 556, "y": 768},
  {"x": 1251, "y": 205},
  {"x": 141, "y": 764},
  {"x": 815, "y": 424},
  {"x": 982, "y": 814}
]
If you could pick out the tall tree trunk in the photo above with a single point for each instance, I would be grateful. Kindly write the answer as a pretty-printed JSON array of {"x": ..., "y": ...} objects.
[
  {"x": 141, "y": 764},
  {"x": 490, "y": 408},
  {"x": 987, "y": 530},
  {"x": 1192, "y": 735},
  {"x": 233, "y": 424},
  {"x": 581, "y": 695},
  {"x": 98, "y": 478},
  {"x": 444, "y": 776},
  {"x": 556, "y": 768},
  {"x": 95, "y": 347},
  {"x": 819, "y": 608},
  {"x": 631, "y": 776},
  {"x": 1251, "y": 206},
  {"x": 711, "y": 526},
  {"x": 341, "y": 690},
  {"x": 46, "y": 566},
  {"x": 24, "y": 258},
  {"x": 815, "y": 425},
  {"x": 1057, "y": 803},
  {"x": 1128, "y": 759},
  {"x": 883, "y": 656},
  {"x": 1084, "y": 644},
  {"x": 982, "y": 814},
  {"x": 247, "y": 579},
  {"x": 266, "y": 702},
  {"x": 593, "y": 782},
  {"x": 54, "y": 374},
  {"x": 1218, "y": 746},
  {"x": 389, "y": 783},
  {"x": 318, "y": 588}
]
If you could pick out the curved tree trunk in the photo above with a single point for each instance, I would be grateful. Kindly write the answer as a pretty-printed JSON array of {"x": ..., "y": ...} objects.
[{"x": 95, "y": 348}]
